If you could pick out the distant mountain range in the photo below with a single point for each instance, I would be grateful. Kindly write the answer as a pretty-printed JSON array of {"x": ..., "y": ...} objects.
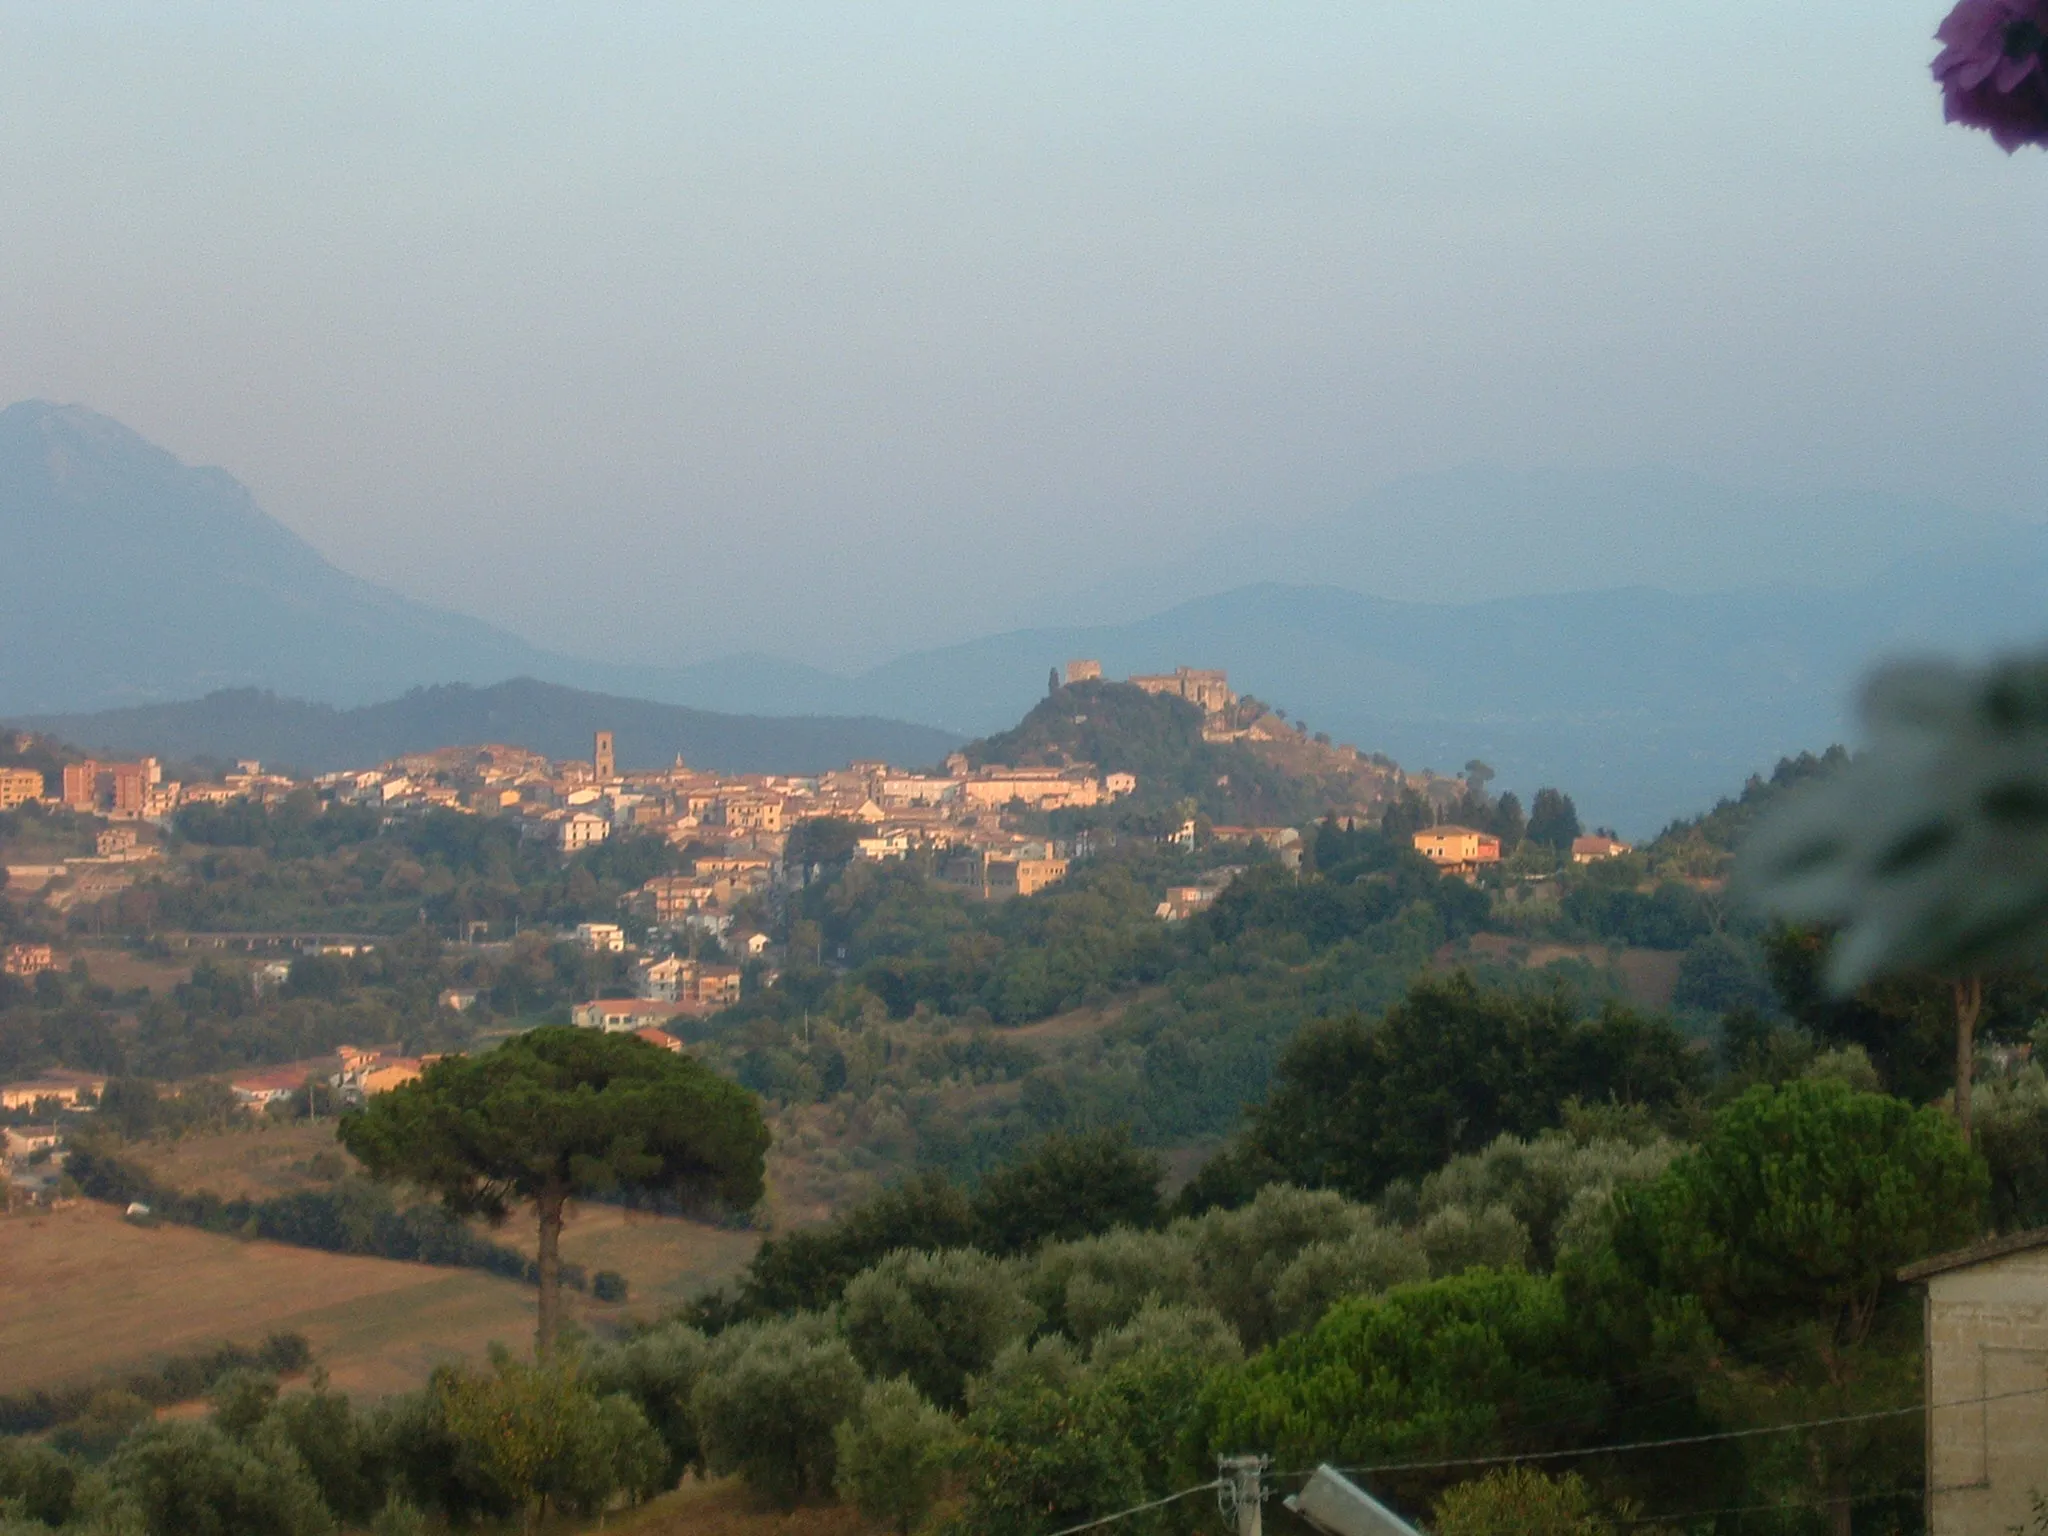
[
  {"x": 1645, "y": 705},
  {"x": 542, "y": 717},
  {"x": 131, "y": 579}
]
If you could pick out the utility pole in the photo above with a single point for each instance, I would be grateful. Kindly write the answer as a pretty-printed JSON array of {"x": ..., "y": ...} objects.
[{"x": 1242, "y": 1492}]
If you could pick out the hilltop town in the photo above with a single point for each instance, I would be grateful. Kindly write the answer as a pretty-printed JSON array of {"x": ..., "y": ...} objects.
[{"x": 709, "y": 926}]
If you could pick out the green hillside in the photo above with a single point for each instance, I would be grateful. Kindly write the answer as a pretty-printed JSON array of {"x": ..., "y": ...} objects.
[{"x": 1122, "y": 729}]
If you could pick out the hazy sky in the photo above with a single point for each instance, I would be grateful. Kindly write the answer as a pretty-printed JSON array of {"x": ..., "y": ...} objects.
[{"x": 827, "y": 330}]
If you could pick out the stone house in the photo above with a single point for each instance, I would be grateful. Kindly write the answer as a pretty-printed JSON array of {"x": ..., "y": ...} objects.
[{"x": 1987, "y": 1383}]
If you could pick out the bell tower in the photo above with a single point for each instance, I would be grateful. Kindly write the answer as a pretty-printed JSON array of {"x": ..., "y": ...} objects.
[{"x": 602, "y": 760}]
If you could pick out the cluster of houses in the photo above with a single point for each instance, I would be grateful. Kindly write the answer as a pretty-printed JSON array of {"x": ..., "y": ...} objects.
[
  {"x": 32, "y": 1155},
  {"x": 27, "y": 960},
  {"x": 131, "y": 791},
  {"x": 1464, "y": 851},
  {"x": 740, "y": 824}
]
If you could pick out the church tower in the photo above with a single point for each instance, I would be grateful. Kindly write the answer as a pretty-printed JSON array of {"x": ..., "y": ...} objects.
[{"x": 602, "y": 760}]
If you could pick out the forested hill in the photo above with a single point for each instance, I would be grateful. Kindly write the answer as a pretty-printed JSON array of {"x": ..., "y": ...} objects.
[{"x": 1267, "y": 778}]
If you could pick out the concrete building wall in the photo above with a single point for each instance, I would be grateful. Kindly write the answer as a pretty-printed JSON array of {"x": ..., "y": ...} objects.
[{"x": 1987, "y": 1357}]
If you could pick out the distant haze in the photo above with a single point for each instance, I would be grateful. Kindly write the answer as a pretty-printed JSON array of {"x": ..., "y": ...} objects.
[
  {"x": 661, "y": 332},
  {"x": 132, "y": 581}
]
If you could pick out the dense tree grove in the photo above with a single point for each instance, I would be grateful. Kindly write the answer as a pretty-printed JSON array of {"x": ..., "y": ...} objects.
[
  {"x": 1356, "y": 1104},
  {"x": 1569, "y": 1287}
]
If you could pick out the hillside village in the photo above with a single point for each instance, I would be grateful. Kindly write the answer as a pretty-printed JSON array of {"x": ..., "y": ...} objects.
[
  {"x": 688, "y": 944},
  {"x": 984, "y": 826}
]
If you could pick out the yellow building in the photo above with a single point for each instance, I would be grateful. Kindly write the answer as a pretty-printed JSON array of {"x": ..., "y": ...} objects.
[
  {"x": 1044, "y": 789},
  {"x": 753, "y": 813},
  {"x": 1457, "y": 848},
  {"x": 18, "y": 786},
  {"x": 1002, "y": 876}
]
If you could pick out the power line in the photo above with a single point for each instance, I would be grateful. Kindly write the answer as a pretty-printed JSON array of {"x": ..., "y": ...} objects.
[
  {"x": 1634, "y": 1521},
  {"x": 1452, "y": 1463},
  {"x": 1752, "y": 1509},
  {"x": 1656, "y": 1445},
  {"x": 1139, "y": 1509}
]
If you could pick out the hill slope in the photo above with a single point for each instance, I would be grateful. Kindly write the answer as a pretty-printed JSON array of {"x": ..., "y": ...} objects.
[
  {"x": 1159, "y": 739},
  {"x": 539, "y": 716}
]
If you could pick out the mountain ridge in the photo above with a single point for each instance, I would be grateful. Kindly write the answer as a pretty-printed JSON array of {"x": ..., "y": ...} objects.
[{"x": 542, "y": 717}]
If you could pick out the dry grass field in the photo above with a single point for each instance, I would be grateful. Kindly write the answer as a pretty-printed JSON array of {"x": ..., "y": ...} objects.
[
  {"x": 665, "y": 1260},
  {"x": 122, "y": 971},
  {"x": 262, "y": 1160},
  {"x": 83, "y": 1293}
]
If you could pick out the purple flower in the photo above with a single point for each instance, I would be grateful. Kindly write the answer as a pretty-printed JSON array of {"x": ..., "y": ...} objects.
[{"x": 1992, "y": 72}]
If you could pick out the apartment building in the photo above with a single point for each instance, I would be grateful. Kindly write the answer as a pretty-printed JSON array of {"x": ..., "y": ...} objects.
[{"x": 18, "y": 786}]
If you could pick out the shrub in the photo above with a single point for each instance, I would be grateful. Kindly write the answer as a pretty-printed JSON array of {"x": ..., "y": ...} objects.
[
  {"x": 937, "y": 1318},
  {"x": 190, "y": 1479},
  {"x": 1051, "y": 1364},
  {"x": 535, "y": 1433},
  {"x": 1485, "y": 1362},
  {"x": 1198, "y": 1336},
  {"x": 811, "y": 1269},
  {"x": 2011, "y": 1127},
  {"x": 1521, "y": 1500},
  {"x": 1068, "y": 1186},
  {"x": 611, "y": 1451},
  {"x": 1154, "y": 1369},
  {"x": 338, "y": 1452},
  {"x": 1457, "y": 1239},
  {"x": 1547, "y": 1180},
  {"x": 1243, "y": 1253},
  {"x": 608, "y": 1285},
  {"x": 659, "y": 1371},
  {"x": 1371, "y": 1260},
  {"x": 1094, "y": 1283},
  {"x": 768, "y": 1401},
  {"x": 37, "y": 1482},
  {"x": 105, "y": 1421},
  {"x": 1044, "y": 1457},
  {"x": 241, "y": 1400},
  {"x": 893, "y": 1452}
]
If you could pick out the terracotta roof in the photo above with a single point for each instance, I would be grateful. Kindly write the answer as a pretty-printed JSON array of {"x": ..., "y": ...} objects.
[{"x": 1976, "y": 1253}]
